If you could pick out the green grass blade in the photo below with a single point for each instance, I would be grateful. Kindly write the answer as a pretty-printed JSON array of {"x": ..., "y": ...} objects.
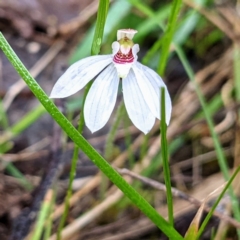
[
  {"x": 210, "y": 213},
  {"x": 3, "y": 116},
  {"x": 164, "y": 151},
  {"x": 152, "y": 23},
  {"x": 101, "y": 18},
  {"x": 22, "y": 124},
  {"x": 237, "y": 70},
  {"x": 144, "y": 146},
  {"x": 69, "y": 192},
  {"x": 142, "y": 7},
  {"x": 128, "y": 141},
  {"x": 13, "y": 171},
  {"x": 220, "y": 154},
  {"x": 112, "y": 133},
  {"x": 168, "y": 36},
  {"x": 42, "y": 216},
  {"x": 49, "y": 220}
]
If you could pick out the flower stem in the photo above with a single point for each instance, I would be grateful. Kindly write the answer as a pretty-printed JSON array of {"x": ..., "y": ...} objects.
[
  {"x": 164, "y": 151},
  {"x": 112, "y": 132},
  {"x": 210, "y": 213}
]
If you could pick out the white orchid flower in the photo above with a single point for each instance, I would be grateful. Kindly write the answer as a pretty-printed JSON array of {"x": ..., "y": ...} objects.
[{"x": 141, "y": 85}]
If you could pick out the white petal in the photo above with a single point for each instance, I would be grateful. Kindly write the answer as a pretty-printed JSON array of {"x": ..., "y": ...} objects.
[
  {"x": 157, "y": 83},
  {"x": 123, "y": 69},
  {"x": 115, "y": 47},
  {"x": 79, "y": 74},
  {"x": 149, "y": 93},
  {"x": 135, "y": 50},
  {"x": 101, "y": 99},
  {"x": 136, "y": 106},
  {"x": 129, "y": 33}
]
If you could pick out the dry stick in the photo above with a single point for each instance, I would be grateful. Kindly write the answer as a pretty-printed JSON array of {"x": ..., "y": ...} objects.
[
  {"x": 231, "y": 15},
  {"x": 24, "y": 221},
  {"x": 133, "y": 230},
  {"x": 70, "y": 229},
  {"x": 202, "y": 158},
  {"x": 122, "y": 222},
  {"x": 38, "y": 146},
  {"x": 222, "y": 226},
  {"x": 19, "y": 157},
  {"x": 36, "y": 150},
  {"x": 17, "y": 87},
  {"x": 178, "y": 194}
]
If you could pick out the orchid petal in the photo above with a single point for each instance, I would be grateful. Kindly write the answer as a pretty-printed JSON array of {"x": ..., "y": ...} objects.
[
  {"x": 101, "y": 99},
  {"x": 135, "y": 50},
  {"x": 157, "y": 83},
  {"x": 115, "y": 47},
  {"x": 79, "y": 74},
  {"x": 136, "y": 106},
  {"x": 149, "y": 93},
  {"x": 123, "y": 69},
  {"x": 129, "y": 33}
]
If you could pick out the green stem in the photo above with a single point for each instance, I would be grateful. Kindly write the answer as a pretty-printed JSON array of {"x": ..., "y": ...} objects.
[
  {"x": 23, "y": 123},
  {"x": 164, "y": 151},
  {"x": 3, "y": 116},
  {"x": 49, "y": 220},
  {"x": 237, "y": 70},
  {"x": 20, "y": 177},
  {"x": 113, "y": 131},
  {"x": 101, "y": 19},
  {"x": 42, "y": 216},
  {"x": 210, "y": 213},
  {"x": 168, "y": 37}
]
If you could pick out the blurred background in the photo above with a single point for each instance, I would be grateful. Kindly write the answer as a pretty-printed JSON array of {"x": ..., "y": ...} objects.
[{"x": 35, "y": 156}]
